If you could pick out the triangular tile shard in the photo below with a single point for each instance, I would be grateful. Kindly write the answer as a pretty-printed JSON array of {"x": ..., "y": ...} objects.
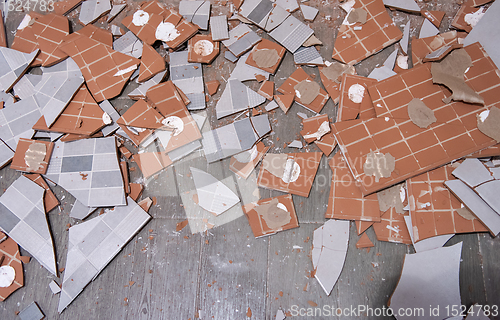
[
  {"x": 329, "y": 250},
  {"x": 379, "y": 31},
  {"x": 213, "y": 195},
  {"x": 13, "y": 65},
  {"x": 189, "y": 78},
  {"x": 235, "y": 137},
  {"x": 219, "y": 28},
  {"x": 92, "y": 10},
  {"x": 10, "y": 250},
  {"x": 197, "y": 12},
  {"x": 108, "y": 108},
  {"x": 115, "y": 10},
  {"x": 403, "y": 5},
  {"x": 212, "y": 86},
  {"x": 309, "y": 12},
  {"x": 307, "y": 56},
  {"x": 50, "y": 201},
  {"x": 428, "y": 278},
  {"x": 263, "y": 13},
  {"x": 364, "y": 242},
  {"x": 267, "y": 90},
  {"x": 427, "y": 30},
  {"x": 241, "y": 39},
  {"x": 237, "y": 97},
  {"x": 291, "y": 34},
  {"x": 89, "y": 170},
  {"x": 129, "y": 44},
  {"x": 434, "y": 16},
  {"x": 94, "y": 243},
  {"x": 284, "y": 101},
  {"x": 151, "y": 63},
  {"x": 386, "y": 70},
  {"x": 105, "y": 77},
  {"x": 243, "y": 163},
  {"x": 23, "y": 219},
  {"x": 50, "y": 31}
]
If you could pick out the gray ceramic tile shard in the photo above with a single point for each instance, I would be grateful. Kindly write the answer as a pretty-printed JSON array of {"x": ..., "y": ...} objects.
[
  {"x": 234, "y": 138},
  {"x": 427, "y": 30},
  {"x": 117, "y": 31},
  {"x": 115, "y": 10},
  {"x": 6, "y": 98},
  {"x": 307, "y": 56},
  {"x": 288, "y": 5},
  {"x": 219, "y": 28},
  {"x": 140, "y": 92},
  {"x": 213, "y": 195},
  {"x": 56, "y": 88},
  {"x": 189, "y": 78},
  {"x": 473, "y": 201},
  {"x": 237, "y": 97},
  {"x": 263, "y": 13},
  {"x": 472, "y": 172},
  {"x": 271, "y": 105},
  {"x": 107, "y": 107},
  {"x": 91, "y": 10},
  {"x": 487, "y": 32},
  {"x": 197, "y": 12},
  {"x": 244, "y": 72},
  {"x": 488, "y": 191},
  {"x": 89, "y": 170},
  {"x": 385, "y": 71},
  {"x": 6, "y": 154},
  {"x": 22, "y": 217},
  {"x": 81, "y": 211},
  {"x": 308, "y": 12},
  {"x": 404, "y": 5},
  {"x": 94, "y": 243},
  {"x": 17, "y": 120},
  {"x": 291, "y": 34},
  {"x": 128, "y": 44},
  {"x": 231, "y": 57},
  {"x": 25, "y": 87},
  {"x": 329, "y": 250},
  {"x": 241, "y": 39},
  {"x": 13, "y": 64},
  {"x": 406, "y": 37},
  {"x": 31, "y": 312},
  {"x": 54, "y": 287}
]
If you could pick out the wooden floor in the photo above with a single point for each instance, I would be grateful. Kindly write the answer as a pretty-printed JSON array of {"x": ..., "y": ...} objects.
[{"x": 224, "y": 273}]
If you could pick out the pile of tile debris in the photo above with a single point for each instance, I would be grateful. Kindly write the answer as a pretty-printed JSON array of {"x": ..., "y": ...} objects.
[{"x": 417, "y": 145}]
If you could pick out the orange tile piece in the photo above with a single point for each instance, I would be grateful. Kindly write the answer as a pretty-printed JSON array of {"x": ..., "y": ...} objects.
[
  {"x": 327, "y": 143},
  {"x": 346, "y": 200},
  {"x": 298, "y": 76},
  {"x": 284, "y": 101},
  {"x": 145, "y": 204},
  {"x": 151, "y": 162},
  {"x": 102, "y": 35},
  {"x": 3, "y": 36},
  {"x": 362, "y": 226},
  {"x": 73, "y": 137},
  {"x": 151, "y": 63},
  {"x": 364, "y": 242},
  {"x": 125, "y": 152},
  {"x": 459, "y": 19},
  {"x": 101, "y": 66},
  {"x": 50, "y": 31},
  {"x": 22, "y": 152},
  {"x": 243, "y": 169},
  {"x": 260, "y": 78},
  {"x": 267, "y": 90},
  {"x": 141, "y": 115},
  {"x": 212, "y": 86},
  {"x": 124, "y": 171},
  {"x": 433, "y": 206},
  {"x": 392, "y": 227},
  {"x": 271, "y": 45},
  {"x": 10, "y": 250},
  {"x": 50, "y": 201},
  {"x": 146, "y": 32},
  {"x": 311, "y": 126},
  {"x": 64, "y": 7},
  {"x": 138, "y": 138},
  {"x": 434, "y": 16},
  {"x": 493, "y": 151},
  {"x": 379, "y": 31},
  {"x": 25, "y": 40},
  {"x": 348, "y": 109},
  {"x": 197, "y": 51},
  {"x": 135, "y": 190},
  {"x": 422, "y": 47}
]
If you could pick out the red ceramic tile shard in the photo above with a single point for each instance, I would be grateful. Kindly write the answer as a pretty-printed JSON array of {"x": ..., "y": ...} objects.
[
  {"x": 50, "y": 201},
  {"x": 185, "y": 29},
  {"x": 442, "y": 53},
  {"x": 82, "y": 116},
  {"x": 138, "y": 138},
  {"x": 308, "y": 163},
  {"x": 212, "y": 86},
  {"x": 265, "y": 44},
  {"x": 362, "y": 226},
  {"x": 64, "y": 7},
  {"x": 73, "y": 137},
  {"x": 157, "y": 8},
  {"x": 146, "y": 32},
  {"x": 379, "y": 31},
  {"x": 10, "y": 250},
  {"x": 364, "y": 242},
  {"x": 346, "y": 200},
  {"x": 151, "y": 63},
  {"x": 284, "y": 101},
  {"x": 332, "y": 87},
  {"x": 168, "y": 102},
  {"x": 422, "y": 47},
  {"x": 459, "y": 20},
  {"x": 32, "y": 156},
  {"x": 392, "y": 227},
  {"x": 145, "y": 204},
  {"x": 124, "y": 171},
  {"x": 93, "y": 32},
  {"x": 141, "y": 115},
  {"x": 349, "y": 109},
  {"x": 183, "y": 96},
  {"x": 267, "y": 90},
  {"x": 433, "y": 207},
  {"x": 327, "y": 143},
  {"x": 151, "y": 162},
  {"x": 202, "y": 49},
  {"x": 243, "y": 166},
  {"x": 416, "y": 150},
  {"x": 434, "y": 16},
  {"x": 268, "y": 217},
  {"x": 311, "y": 127},
  {"x": 125, "y": 152},
  {"x": 105, "y": 71},
  {"x": 25, "y": 40},
  {"x": 135, "y": 190},
  {"x": 493, "y": 151},
  {"x": 50, "y": 31},
  {"x": 3, "y": 37},
  {"x": 298, "y": 76}
]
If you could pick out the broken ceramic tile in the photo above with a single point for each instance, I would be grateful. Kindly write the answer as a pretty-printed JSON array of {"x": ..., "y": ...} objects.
[
  {"x": 269, "y": 216},
  {"x": 151, "y": 163},
  {"x": 65, "y": 7},
  {"x": 355, "y": 98},
  {"x": 284, "y": 101},
  {"x": 427, "y": 30},
  {"x": 92, "y": 10},
  {"x": 329, "y": 250},
  {"x": 288, "y": 5},
  {"x": 237, "y": 97},
  {"x": 466, "y": 17},
  {"x": 421, "y": 273},
  {"x": 364, "y": 242},
  {"x": 263, "y": 13},
  {"x": 308, "y": 12},
  {"x": 241, "y": 39},
  {"x": 32, "y": 156},
  {"x": 6, "y": 154},
  {"x": 420, "y": 48},
  {"x": 403, "y": 43},
  {"x": 105, "y": 77},
  {"x": 141, "y": 115},
  {"x": 50, "y": 201},
  {"x": 50, "y": 31},
  {"x": 307, "y": 56},
  {"x": 94, "y": 243},
  {"x": 197, "y": 12},
  {"x": 202, "y": 49},
  {"x": 404, "y": 5},
  {"x": 12, "y": 264},
  {"x": 174, "y": 31},
  {"x": 89, "y": 170},
  {"x": 244, "y": 71},
  {"x": 386, "y": 70},
  {"x": 140, "y": 92},
  {"x": 31, "y": 312},
  {"x": 212, "y": 86},
  {"x": 434, "y": 16},
  {"x": 219, "y": 28},
  {"x": 429, "y": 243},
  {"x": 189, "y": 78},
  {"x": 3, "y": 36},
  {"x": 331, "y": 76},
  {"x": 440, "y": 53},
  {"x": 93, "y": 32},
  {"x": 379, "y": 31},
  {"x": 472, "y": 172},
  {"x": 151, "y": 63},
  {"x": 24, "y": 220},
  {"x": 243, "y": 163},
  {"x": 235, "y": 137},
  {"x": 129, "y": 44},
  {"x": 266, "y": 55},
  {"x": 267, "y": 90},
  {"x": 272, "y": 105},
  {"x": 292, "y": 33},
  {"x": 314, "y": 128},
  {"x": 54, "y": 287},
  {"x": 14, "y": 64},
  {"x": 25, "y": 87},
  {"x": 487, "y": 123},
  {"x": 115, "y": 10},
  {"x": 108, "y": 108},
  {"x": 116, "y": 31},
  {"x": 143, "y": 25},
  {"x": 25, "y": 40},
  {"x": 312, "y": 41}
]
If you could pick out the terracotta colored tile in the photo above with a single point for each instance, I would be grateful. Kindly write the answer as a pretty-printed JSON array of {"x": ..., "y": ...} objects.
[
  {"x": 269, "y": 45},
  {"x": 186, "y": 29},
  {"x": 124, "y": 171},
  {"x": 50, "y": 31},
  {"x": 125, "y": 152},
  {"x": 364, "y": 242},
  {"x": 298, "y": 76},
  {"x": 351, "y": 48},
  {"x": 433, "y": 206},
  {"x": 422, "y": 47},
  {"x": 212, "y": 86},
  {"x": 267, "y": 89},
  {"x": 138, "y": 138},
  {"x": 135, "y": 190},
  {"x": 346, "y": 200},
  {"x": 434, "y": 16},
  {"x": 362, "y": 226},
  {"x": 3, "y": 36},
  {"x": 348, "y": 109},
  {"x": 459, "y": 19},
  {"x": 285, "y": 101},
  {"x": 392, "y": 227},
  {"x": 146, "y": 32},
  {"x": 311, "y": 126},
  {"x": 151, "y": 63},
  {"x": 244, "y": 163},
  {"x": 10, "y": 250},
  {"x": 151, "y": 162},
  {"x": 50, "y": 201},
  {"x": 25, "y": 40},
  {"x": 492, "y": 151},
  {"x": 64, "y": 7},
  {"x": 141, "y": 115},
  {"x": 102, "y": 35},
  {"x": 327, "y": 143},
  {"x": 203, "y": 52},
  {"x": 32, "y": 156},
  {"x": 102, "y": 82}
]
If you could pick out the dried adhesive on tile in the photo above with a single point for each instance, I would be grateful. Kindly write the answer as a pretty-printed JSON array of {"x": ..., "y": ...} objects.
[
  {"x": 174, "y": 123},
  {"x": 323, "y": 129},
  {"x": 421, "y": 115},
  {"x": 275, "y": 163},
  {"x": 488, "y": 122},
  {"x": 379, "y": 165},
  {"x": 356, "y": 93},
  {"x": 7, "y": 276},
  {"x": 35, "y": 155},
  {"x": 292, "y": 171},
  {"x": 140, "y": 18},
  {"x": 357, "y": 15},
  {"x": 265, "y": 58},
  {"x": 203, "y": 48},
  {"x": 336, "y": 69},
  {"x": 274, "y": 214},
  {"x": 307, "y": 91},
  {"x": 392, "y": 198},
  {"x": 465, "y": 213},
  {"x": 166, "y": 32}
]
